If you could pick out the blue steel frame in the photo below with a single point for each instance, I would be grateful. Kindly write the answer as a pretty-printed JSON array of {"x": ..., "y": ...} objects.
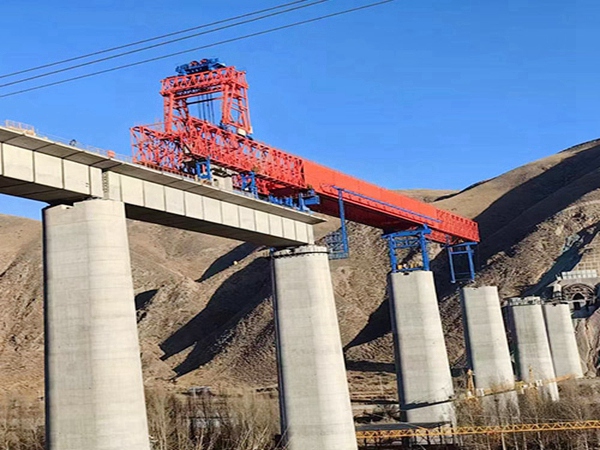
[
  {"x": 337, "y": 241},
  {"x": 203, "y": 170},
  {"x": 248, "y": 183},
  {"x": 413, "y": 239},
  {"x": 389, "y": 205},
  {"x": 308, "y": 199},
  {"x": 465, "y": 248}
]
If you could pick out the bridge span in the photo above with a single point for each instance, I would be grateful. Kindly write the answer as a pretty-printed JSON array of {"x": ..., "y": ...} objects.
[
  {"x": 94, "y": 386},
  {"x": 183, "y": 178},
  {"x": 42, "y": 169}
]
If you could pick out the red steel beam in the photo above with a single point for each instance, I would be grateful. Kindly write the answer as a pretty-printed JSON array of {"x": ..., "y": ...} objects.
[{"x": 376, "y": 206}]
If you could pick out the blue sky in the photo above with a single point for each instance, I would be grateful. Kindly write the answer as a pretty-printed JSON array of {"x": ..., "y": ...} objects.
[{"x": 412, "y": 94}]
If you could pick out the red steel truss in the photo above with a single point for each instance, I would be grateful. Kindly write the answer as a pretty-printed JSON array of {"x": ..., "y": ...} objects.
[{"x": 184, "y": 139}]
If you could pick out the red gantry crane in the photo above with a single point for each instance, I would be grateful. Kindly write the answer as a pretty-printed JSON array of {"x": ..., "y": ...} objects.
[{"x": 221, "y": 134}]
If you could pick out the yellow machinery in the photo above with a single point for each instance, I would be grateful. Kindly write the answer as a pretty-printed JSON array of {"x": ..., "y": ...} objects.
[{"x": 373, "y": 437}]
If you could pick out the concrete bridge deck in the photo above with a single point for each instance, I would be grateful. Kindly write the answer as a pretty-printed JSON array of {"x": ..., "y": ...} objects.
[{"x": 38, "y": 168}]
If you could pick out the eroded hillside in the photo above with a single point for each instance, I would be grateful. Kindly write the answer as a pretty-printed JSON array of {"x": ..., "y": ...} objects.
[{"x": 204, "y": 307}]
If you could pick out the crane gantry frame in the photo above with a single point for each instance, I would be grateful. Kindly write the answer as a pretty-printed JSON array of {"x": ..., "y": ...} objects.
[{"x": 185, "y": 143}]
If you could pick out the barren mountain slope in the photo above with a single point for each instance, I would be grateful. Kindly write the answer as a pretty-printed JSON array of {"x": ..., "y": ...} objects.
[{"x": 204, "y": 306}]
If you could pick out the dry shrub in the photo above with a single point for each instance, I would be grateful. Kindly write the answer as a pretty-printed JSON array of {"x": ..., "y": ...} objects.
[
  {"x": 176, "y": 422},
  {"x": 21, "y": 423},
  {"x": 211, "y": 422},
  {"x": 576, "y": 403}
]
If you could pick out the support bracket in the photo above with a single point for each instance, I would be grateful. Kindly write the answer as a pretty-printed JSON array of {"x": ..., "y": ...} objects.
[
  {"x": 247, "y": 183},
  {"x": 464, "y": 249},
  {"x": 409, "y": 239},
  {"x": 337, "y": 241}
]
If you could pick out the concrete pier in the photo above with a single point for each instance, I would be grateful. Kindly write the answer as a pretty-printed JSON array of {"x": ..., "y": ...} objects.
[
  {"x": 314, "y": 398},
  {"x": 94, "y": 386},
  {"x": 487, "y": 348},
  {"x": 424, "y": 380},
  {"x": 561, "y": 336},
  {"x": 532, "y": 349}
]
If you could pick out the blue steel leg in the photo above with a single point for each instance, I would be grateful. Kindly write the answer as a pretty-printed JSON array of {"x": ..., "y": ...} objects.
[
  {"x": 410, "y": 239},
  {"x": 253, "y": 187},
  {"x": 337, "y": 241},
  {"x": 424, "y": 253},
  {"x": 208, "y": 170},
  {"x": 346, "y": 246},
  {"x": 465, "y": 248},
  {"x": 203, "y": 170},
  {"x": 392, "y": 252},
  {"x": 451, "y": 261},
  {"x": 471, "y": 264}
]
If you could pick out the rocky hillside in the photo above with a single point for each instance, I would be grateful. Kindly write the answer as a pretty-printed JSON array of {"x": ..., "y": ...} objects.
[{"x": 204, "y": 309}]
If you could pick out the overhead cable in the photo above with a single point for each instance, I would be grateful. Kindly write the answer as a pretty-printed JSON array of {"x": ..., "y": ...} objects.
[
  {"x": 160, "y": 44},
  {"x": 144, "y": 41},
  {"x": 214, "y": 44}
]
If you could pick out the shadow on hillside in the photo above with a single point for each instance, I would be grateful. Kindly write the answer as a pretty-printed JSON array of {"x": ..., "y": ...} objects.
[
  {"x": 208, "y": 331},
  {"x": 143, "y": 298},
  {"x": 566, "y": 261},
  {"x": 370, "y": 366},
  {"x": 227, "y": 260},
  {"x": 495, "y": 234},
  {"x": 525, "y": 196},
  {"x": 379, "y": 325},
  {"x": 503, "y": 223}
]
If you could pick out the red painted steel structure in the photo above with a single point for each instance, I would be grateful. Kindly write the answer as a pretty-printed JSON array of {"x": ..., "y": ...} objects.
[{"x": 184, "y": 139}]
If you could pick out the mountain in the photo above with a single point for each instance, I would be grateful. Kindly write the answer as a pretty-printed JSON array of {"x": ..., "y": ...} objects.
[{"x": 204, "y": 309}]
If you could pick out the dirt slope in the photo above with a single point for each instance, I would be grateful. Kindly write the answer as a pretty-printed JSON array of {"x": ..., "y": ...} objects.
[{"x": 204, "y": 308}]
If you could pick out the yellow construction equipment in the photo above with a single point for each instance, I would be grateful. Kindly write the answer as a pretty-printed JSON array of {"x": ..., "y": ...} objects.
[
  {"x": 377, "y": 436},
  {"x": 519, "y": 386}
]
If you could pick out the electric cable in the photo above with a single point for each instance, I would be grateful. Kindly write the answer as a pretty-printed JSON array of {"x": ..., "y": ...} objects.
[
  {"x": 144, "y": 41},
  {"x": 214, "y": 44},
  {"x": 160, "y": 44}
]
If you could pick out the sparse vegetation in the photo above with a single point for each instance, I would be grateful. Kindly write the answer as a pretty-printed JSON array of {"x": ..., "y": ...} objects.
[
  {"x": 248, "y": 421},
  {"x": 21, "y": 423},
  {"x": 199, "y": 310},
  {"x": 208, "y": 422},
  {"x": 176, "y": 422},
  {"x": 577, "y": 403}
]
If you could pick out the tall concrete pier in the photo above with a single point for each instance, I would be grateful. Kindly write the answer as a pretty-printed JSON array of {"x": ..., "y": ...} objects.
[
  {"x": 94, "y": 387},
  {"x": 534, "y": 360},
  {"x": 561, "y": 336},
  {"x": 314, "y": 397},
  {"x": 487, "y": 348},
  {"x": 424, "y": 380}
]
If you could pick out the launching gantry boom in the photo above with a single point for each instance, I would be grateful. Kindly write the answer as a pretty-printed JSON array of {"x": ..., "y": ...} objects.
[{"x": 186, "y": 143}]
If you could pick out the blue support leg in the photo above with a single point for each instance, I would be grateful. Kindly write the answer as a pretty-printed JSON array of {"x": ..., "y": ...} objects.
[
  {"x": 337, "y": 241},
  {"x": 410, "y": 239},
  {"x": 392, "y": 253},
  {"x": 424, "y": 253},
  {"x": 203, "y": 170},
  {"x": 452, "y": 270},
  {"x": 455, "y": 251}
]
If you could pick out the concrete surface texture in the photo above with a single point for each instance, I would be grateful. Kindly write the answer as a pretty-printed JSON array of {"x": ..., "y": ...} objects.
[
  {"x": 94, "y": 386},
  {"x": 561, "y": 336},
  {"x": 488, "y": 354},
  {"x": 40, "y": 169},
  {"x": 532, "y": 349},
  {"x": 423, "y": 373},
  {"x": 314, "y": 396}
]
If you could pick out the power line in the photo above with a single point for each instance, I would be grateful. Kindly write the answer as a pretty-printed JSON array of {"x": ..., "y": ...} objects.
[
  {"x": 160, "y": 44},
  {"x": 144, "y": 41},
  {"x": 226, "y": 41}
]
